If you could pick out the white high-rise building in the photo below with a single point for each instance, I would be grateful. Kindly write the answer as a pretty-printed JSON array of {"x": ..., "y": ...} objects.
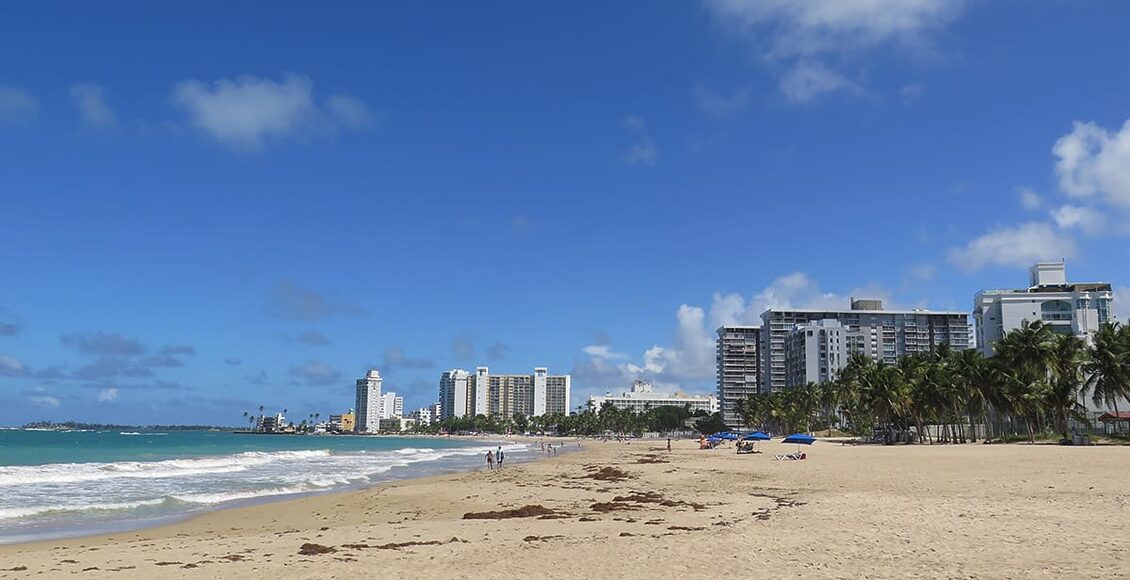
[
  {"x": 883, "y": 335},
  {"x": 456, "y": 397},
  {"x": 368, "y": 406},
  {"x": 1068, "y": 308},
  {"x": 815, "y": 352},
  {"x": 464, "y": 394},
  {"x": 739, "y": 368},
  {"x": 392, "y": 406}
]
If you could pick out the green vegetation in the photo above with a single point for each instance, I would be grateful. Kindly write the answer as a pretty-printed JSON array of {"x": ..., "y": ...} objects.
[
  {"x": 112, "y": 427},
  {"x": 1033, "y": 385},
  {"x": 587, "y": 421}
]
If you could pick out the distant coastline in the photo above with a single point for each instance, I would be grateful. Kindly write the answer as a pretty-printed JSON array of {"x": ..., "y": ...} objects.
[{"x": 79, "y": 426}]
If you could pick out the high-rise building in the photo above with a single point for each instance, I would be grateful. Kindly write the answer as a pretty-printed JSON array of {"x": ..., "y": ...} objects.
[
  {"x": 739, "y": 368},
  {"x": 1076, "y": 308},
  {"x": 815, "y": 352},
  {"x": 883, "y": 335},
  {"x": 464, "y": 394},
  {"x": 368, "y": 408},
  {"x": 456, "y": 396},
  {"x": 392, "y": 406}
]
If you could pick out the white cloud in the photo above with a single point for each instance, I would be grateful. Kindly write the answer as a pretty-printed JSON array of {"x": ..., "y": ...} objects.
[
  {"x": 909, "y": 92},
  {"x": 1085, "y": 219},
  {"x": 923, "y": 272},
  {"x": 10, "y": 365},
  {"x": 246, "y": 112},
  {"x": 108, "y": 395},
  {"x": 643, "y": 151},
  {"x": 1029, "y": 199},
  {"x": 1016, "y": 246},
  {"x": 719, "y": 106},
  {"x": 46, "y": 401},
  {"x": 1094, "y": 162},
  {"x": 802, "y": 33},
  {"x": 803, "y": 29},
  {"x": 16, "y": 106},
  {"x": 690, "y": 357},
  {"x": 90, "y": 100},
  {"x": 603, "y": 351},
  {"x": 808, "y": 80}
]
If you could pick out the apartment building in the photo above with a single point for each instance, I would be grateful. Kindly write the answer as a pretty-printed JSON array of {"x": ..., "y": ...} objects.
[
  {"x": 482, "y": 393},
  {"x": 738, "y": 368},
  {"x": 368, "y": 404}
]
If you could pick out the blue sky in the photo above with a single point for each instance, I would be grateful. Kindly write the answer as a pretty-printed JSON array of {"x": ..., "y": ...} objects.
[{"x": 213, "y": 206}]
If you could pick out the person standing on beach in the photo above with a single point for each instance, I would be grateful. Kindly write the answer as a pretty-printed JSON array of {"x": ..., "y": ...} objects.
[
  {"x": 668, "y": 445},
  {"x": 490, "y": 459},
  {"x": 500, "y": 457}
]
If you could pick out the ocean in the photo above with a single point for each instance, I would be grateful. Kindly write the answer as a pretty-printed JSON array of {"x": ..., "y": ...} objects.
[{"x": 56, "y": 484}]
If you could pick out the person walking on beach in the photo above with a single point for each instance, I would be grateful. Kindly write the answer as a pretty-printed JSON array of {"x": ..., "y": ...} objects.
[
  {"x": 490, "y": 459},
  {"x": 668, "y": 445},
  {"x": 499, "y": 456}
]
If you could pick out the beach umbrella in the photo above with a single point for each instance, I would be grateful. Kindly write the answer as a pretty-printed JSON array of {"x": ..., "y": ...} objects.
[
  {"x": 728, "y": 436},
  {"x": 756, "y": 436},
  {"x": 799, "y": 439}
]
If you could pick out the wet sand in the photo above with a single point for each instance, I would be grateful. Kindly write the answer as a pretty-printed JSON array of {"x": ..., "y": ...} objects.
[{"x": 614, "y": 510}]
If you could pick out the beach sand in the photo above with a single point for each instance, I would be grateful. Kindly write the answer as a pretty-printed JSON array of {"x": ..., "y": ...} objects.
[{"x": 614, "y": 510}]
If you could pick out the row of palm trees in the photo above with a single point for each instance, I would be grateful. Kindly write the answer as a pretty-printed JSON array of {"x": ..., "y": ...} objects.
[
  {"x": 1035, "y": 384},
  {"x": 586, "y": 421}
]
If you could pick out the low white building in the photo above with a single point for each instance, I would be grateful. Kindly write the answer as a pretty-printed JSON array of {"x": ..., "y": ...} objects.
[
  {"x": 422, "y": 416},
  {"x": 641, "y": 397}
]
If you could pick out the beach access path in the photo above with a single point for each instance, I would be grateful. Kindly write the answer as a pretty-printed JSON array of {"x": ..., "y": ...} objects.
[{"x": 614, "y": 510}]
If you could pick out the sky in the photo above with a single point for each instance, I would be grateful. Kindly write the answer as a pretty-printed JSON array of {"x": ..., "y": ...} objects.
[{"x": 206, "y": 207}]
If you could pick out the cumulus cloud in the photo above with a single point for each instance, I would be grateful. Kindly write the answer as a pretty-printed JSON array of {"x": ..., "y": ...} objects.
[
  {"x": 108, "y": 395},
  {"x": 721, "y": 106},
  {"x": 90, "y": 100},
  {"x": 17, "y": 106},
  {"x": 643, "y": 151},
  {"x": 1014, "y": 246},
  {"x": 689, "y": 358},
  {"x": 804, "y": 35},
  {"x": 1074, "y": 217},
  {"x": 315, "y": 373},
  {"x": 1094, "y": 162},
  {"x": 248, "y": 111}
]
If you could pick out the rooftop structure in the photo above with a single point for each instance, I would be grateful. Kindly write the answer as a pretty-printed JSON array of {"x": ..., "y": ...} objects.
[{"x": 641, "y": 397}]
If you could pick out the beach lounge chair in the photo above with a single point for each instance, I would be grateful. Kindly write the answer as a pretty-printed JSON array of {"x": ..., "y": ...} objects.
[{"x": 790, "y": 456}]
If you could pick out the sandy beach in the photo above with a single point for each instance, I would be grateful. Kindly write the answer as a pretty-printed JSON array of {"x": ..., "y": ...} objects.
[{"x": 616, "y": 510}]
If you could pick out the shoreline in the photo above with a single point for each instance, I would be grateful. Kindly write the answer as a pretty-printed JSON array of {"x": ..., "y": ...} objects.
[
  {"x": 636, "y": 511},
  {"x": 127, "y": 525}
]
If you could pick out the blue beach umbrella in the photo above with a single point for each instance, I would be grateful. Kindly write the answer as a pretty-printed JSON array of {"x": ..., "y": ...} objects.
[
  {"x": 727, "y": 435},
  {"x": 756, "y": 436},
  {"x": 799, "y": 439}
]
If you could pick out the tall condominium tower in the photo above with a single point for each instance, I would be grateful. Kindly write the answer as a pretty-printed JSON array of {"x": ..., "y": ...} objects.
[
  {"x": 392, "y": 406},
  {"x": 464, "y": 394},
  {"x": 1077, "y": 308},
  {"x": 739, "y": 368},
  {"x": 867, "y": 329},
  {"x": 368, "y": 408}
]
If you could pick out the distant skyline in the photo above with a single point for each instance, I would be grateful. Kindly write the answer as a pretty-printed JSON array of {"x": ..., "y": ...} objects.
[{"x": 211, "y": 207}]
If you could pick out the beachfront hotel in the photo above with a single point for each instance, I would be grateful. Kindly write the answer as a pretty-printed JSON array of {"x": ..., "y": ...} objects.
[
  {"x": 738, "y": 367},
  {"x": 641, "y": 397},
  {"x": 463, "y": 394},
  {"x": 368, "y": 407},
  {"x": 1076, "y": 308}
]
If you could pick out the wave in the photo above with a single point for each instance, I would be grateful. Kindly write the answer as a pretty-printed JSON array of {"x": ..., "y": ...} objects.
[
  {"x": 10, "y": 513},
  {"x": 136, "y": 433},
  {"x": 86, "y": 472}
]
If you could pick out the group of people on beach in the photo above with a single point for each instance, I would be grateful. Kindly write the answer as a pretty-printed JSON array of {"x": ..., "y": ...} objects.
[{"x": 493, "y": 457}]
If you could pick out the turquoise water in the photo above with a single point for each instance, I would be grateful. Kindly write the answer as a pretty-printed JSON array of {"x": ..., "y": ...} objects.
[{"x": 66, "y": 483}]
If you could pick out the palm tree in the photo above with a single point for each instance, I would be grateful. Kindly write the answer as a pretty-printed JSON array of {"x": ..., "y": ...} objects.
[
  {"x": 1066, "y": 382},
  {"x": 1107, "y": 366}
]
